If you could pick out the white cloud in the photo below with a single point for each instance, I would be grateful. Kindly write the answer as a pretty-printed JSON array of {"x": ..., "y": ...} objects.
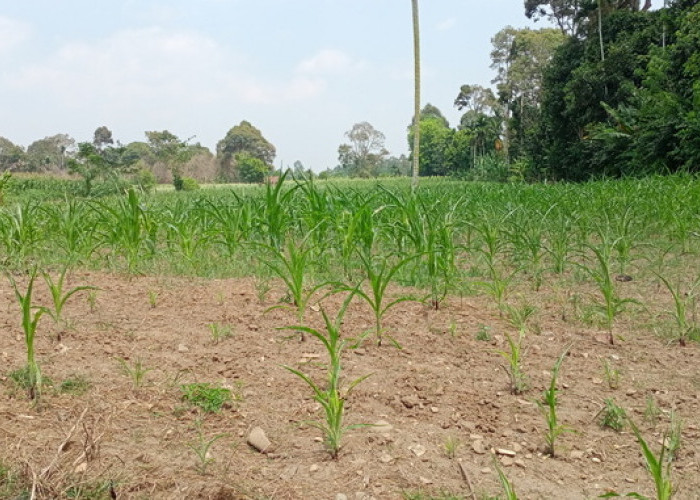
[
  {"x": 152, "y": 68},
  {"x": 329, "y": 61},
  {"x": 12, "y": 33},
  {"x": 447, "y": 24}
]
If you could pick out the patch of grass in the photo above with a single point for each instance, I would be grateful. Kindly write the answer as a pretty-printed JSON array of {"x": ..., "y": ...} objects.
[
  {"x": 76, "y": 385},
  {"x": 450, "y": 446},
  {"x": 611, "y": 374},
  {"x": 484, "y": 333},
  {"x": 11, "y": 483},
  {"x": 612, "y": 416},
  {"x": 652, "y": 412},
  {"x": 98, "y": 490},
  {"x": 209, "y": 398},
  {"x": 220, "y": 332},
  {"x": 440, "y": 495}
]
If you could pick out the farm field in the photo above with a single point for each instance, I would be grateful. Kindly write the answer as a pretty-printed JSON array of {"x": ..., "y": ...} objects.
[{"x": 460, "y": 302}]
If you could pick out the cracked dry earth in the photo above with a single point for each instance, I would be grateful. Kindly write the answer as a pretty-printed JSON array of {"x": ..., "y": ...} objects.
[{"x": 442, "y": 404}]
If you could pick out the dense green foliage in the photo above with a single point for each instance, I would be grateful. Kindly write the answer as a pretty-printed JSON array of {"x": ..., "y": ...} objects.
[
  {"x": 461, "y": 237},
  {"x": 630, "y": 109}
]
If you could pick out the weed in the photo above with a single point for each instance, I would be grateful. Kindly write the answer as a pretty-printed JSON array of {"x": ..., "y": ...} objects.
[
  {"x": 673, "y": 438},
  {"x": 518, "y": 378},
  {"x": 651, "y": 411},
  {"x": 612, "y": 416},
  {"x": 152, "y": 299},
  {"x": 205, "y": 396},
  {"x": 330, "y": 397},
  {"x": 92, "y": 300},
  {"x": 518, "y": 316},
  {"x": 450, "y": 446},
  {"x": 611, "y": 374},
  {"x": 483, "y": 333},
  {"x": 549, "y": 405},
  {"x": 76, "y": 385},
  {"x": 262, "y": 288},
  {"x": 220, "y": 332},
  {"x": 136, "y": 371}
]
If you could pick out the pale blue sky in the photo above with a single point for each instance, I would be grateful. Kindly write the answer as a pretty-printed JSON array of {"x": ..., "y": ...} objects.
[{"x": 302, "y": 71}]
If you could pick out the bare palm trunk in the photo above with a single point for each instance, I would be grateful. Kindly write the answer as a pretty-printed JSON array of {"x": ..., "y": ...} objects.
[{"x": 416, "y": 108}]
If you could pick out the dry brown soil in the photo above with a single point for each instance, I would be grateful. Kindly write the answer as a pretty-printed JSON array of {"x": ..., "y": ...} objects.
[{"x": 444, "y": 386}]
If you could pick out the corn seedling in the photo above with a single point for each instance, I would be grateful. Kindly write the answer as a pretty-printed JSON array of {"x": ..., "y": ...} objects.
[
  {"x": 518, "y": 379},
  {"x": 205, "y": 396},
  {"x": 292, "y": 267},
  {"x": 220, "y": 332},
  {"x": 31, "y": 315},
  {"x": 611, "y": 375},
  {"x": 201, "y": 448},
  {"x": 673, "y": 437},
  {"x": 136, "y": 371},
  {"x": 612, "y": 304},
  {"x": 612, "y": 416},
  {"x": 379, "y": 276},
  {"x": 686, "y": 330},
  {"x": 58, "y": 296},
  {"x": 330, "y": 397},
  {"x": 659, "y": 469},
  {"x": 549, "y": 405},
  {"x": 508, "y": 488}
]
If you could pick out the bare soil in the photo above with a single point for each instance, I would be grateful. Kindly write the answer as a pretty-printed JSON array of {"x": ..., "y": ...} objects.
[{"x": 444, "y": 386}]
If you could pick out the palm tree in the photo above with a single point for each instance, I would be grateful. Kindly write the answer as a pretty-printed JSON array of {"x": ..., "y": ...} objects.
[{"x": 416, "y": 108}]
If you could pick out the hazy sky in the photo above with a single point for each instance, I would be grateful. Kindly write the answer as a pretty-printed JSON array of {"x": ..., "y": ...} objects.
[{"x": 302, "y": 71}]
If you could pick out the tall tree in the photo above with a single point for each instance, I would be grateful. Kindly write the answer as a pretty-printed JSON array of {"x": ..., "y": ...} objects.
[
  {"x": 243, "y": 138},
  {"x": 565, "y": 14},
  {"x": 416, "y": 98},
  {"x": 364, "y": 152},
  {"x": 168, "y": 149},
  {"x": 49, "y": 152},
  {"x": 11, "y": 155},
  {"x": 102, "y": 137}
]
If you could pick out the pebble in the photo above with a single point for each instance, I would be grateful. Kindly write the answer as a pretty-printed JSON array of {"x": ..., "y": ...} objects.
[
  {"x": 505, "y": 452},
  {"x": 182, "y": 348},
  {"x": 341, "y": 496},
  {"x": 313, "y": 468},
  {"x": 418, "y": 450},
  {"x": 576, "y": 454},
  {"x": 478, "y": 447}
]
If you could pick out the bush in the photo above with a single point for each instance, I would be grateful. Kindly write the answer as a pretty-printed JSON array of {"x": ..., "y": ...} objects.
[
  {"x": 189, "y": 184},
  {"x": 146, "y": 180}
]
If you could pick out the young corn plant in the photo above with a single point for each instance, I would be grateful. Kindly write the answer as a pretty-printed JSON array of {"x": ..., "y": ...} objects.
[
  {"x": 506, "y": 484},
  {"x": 549, "y": 405},
  {"x": 58, "y": 296},
  {"x": 518, "y": 378},
  {"x": 292, "y": 267},
  {"x": 202, "y": 446},
  {"x": 659, "y": 469},
  {"x": 686, "y": 330},
  {"x": 331, "y": 396},
  {"x": 136, "y": 371},
  {"x": 379, "y": 276},
  {"x": 612, "y": 304},
  {"x": 31, "y": 315}
]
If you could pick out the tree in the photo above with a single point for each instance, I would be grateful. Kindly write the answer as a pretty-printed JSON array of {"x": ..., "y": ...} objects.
[
  {"x": 476, "y": 98},
  {"x": 251, "y": 169},
  {"x": 168, "y": 149},
  {"x": 49, "y": 152},
  {"x": 565, "y": 14},
  {"x": 520, "y": 57},
  {"x": 102, "y": 137},
  {"x": 364, "y": 152},
  {"x": 11, "y": 155},
  {"x": 243, "y": 138},
  {"x": 416, "y": 98}
]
